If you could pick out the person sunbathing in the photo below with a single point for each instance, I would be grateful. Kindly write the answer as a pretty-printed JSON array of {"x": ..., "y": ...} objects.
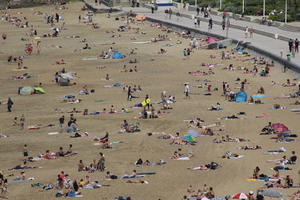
[
  {"x": 261, "y": 91},
  {"x": 207, "y": 131},
  {"x": 137, "y": 181},
  {"x": 246, "y": 147},
  {"x": 229, "y": 155},
  {"x": 176, "y": 155},
  {"x": 176, "y": 139},
  {"x": 61, "y": 62},
  {"x": 110, "y": 176},
  {"x": 288, "y": 83}
]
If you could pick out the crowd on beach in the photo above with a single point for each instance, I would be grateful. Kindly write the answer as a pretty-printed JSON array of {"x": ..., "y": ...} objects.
[{"x": 148, "y": 109}]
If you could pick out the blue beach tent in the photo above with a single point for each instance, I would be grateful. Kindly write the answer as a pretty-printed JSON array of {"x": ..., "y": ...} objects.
[{"x": 241, "y": 96}]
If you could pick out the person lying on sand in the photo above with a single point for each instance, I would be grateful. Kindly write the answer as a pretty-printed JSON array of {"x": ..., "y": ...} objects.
[
  {"x": 288, "y": 83},
  {"x": 176, "y": 139},
  {"x": 246, "y": 147},
  {"x": 229, "y": 155}
]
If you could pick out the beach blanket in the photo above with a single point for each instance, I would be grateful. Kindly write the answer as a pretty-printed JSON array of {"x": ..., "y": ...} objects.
[
  {"x": 20, "y": 180},
  {"x": 54, "y": 133},
  {"x": 90, "y": 58},
  {"x": 183, "y": 158},
  {"x": 295, "y": 110},
  {"x": 258, "y": 96},
  {"x": 237, "y": 157},
  {"x": 24, "y": 168},
  {"x": 39, "y": 126},
  {"x": 130, "y": 176},
  {"x": 146, "y": 173},
  {"x": 142, "y": 42}
]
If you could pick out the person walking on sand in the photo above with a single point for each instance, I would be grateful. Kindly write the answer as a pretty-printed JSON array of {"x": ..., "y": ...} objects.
[
  {"x": 186, "y": 90},
  {"x": 61, "y": 123},
  {"x": 22, "y": 122},
  {"x": 101, "y": 163},
  {"x": 10, "y": 103}
]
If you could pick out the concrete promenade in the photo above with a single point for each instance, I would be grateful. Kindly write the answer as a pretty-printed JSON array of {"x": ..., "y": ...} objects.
[{"x": 261, "y": 41}]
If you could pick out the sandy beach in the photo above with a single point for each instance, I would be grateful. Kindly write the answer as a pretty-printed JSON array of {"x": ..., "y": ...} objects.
[{"x": 156, "y": 72}]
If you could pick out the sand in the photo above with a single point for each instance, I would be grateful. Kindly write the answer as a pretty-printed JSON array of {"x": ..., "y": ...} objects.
[{"x": 159, "y": 73}]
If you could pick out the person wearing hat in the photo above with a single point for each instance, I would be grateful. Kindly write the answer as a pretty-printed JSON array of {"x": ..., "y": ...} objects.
[{"x": 251, "y": 195}]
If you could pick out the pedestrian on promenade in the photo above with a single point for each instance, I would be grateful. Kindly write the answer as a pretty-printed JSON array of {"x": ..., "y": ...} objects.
[
  {"x": 152, "y": 9},
  {"x": 291, "y": 43},
  {"x": 251, "y": 30},
  {"x": 178, "y": 15},
  {"x": 296, "y": 45},
  {"x": 223, "y": 24},
  {"x": 170, "y": 13},
  {"x": 293, "y": 51},
  {"x": 166, "y": 13},
  {"x": 210, "y": 24},
  {"x": 246, "y": 32},
  {"x": 198, "y": 11},
  {"x": 195, "y": 21},
  {"x": 198, "y": 22}
]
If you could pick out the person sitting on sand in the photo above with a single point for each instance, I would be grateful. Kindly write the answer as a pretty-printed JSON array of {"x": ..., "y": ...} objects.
[
  {"x": 176, "y": 139},
  {"x": 256, "y": 172},
  {"x": 261, "y": 91},
  {"x": 216, "y": 107},
  {"x": 229, "y": 155},
  {"x": 110, "y": 176},
  {"x": 288, "y": 83},
  {"x": 176, "y": 155},
  {"x": 288, "y": 182}
]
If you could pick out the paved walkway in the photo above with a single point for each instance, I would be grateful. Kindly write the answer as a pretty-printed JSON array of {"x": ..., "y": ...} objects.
[
  {"x": 269, "y": 44},
  {"x": 263, "y": 42}
]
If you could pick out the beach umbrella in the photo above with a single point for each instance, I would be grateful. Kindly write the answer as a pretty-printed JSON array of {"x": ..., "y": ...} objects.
[
  {"x": 26, "y": 91},
  {"x": 211, "y": 39},
  {"x": 189, "y": 138},
  {"x": 193, "y": 133},
  {"x": 271, "y": 193},
  {"x": 278, "y": 127},
  {"x": 240, "y": 196}
]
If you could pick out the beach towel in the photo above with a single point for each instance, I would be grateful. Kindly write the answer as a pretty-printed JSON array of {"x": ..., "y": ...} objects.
[
  {"x": 258, "y": 96},
  {"x": 90, "y": 58},
  {"x": 183, "y": 158},
  {"x": 295, "y": 110},
  {"x": 142, "y": 42},
  {"x": 146, "y": 173},
  {"x": 53, "y": 133},
  {"x": 130, "y": 176},
  {"x": 237, "y": 157},
  {"x": 20, "y": 180}
]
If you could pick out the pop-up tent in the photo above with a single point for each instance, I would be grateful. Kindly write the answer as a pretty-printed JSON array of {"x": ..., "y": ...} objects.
[
  {"x": 26, "y": 91},
  {"x": 280, "y": 128},
  {"x": 117, "y": 55},
  {"x": 241, "y": 96}
]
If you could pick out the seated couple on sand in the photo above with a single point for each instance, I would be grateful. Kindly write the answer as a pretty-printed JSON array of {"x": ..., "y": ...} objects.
[{"x": 129, "y": 128}]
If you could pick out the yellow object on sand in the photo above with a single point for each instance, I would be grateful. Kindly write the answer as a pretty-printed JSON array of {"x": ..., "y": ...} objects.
[
  {"x": 251, "y": 179},
  {"x": 145, "y": 102},
  {"x": 37, "y": 38}
]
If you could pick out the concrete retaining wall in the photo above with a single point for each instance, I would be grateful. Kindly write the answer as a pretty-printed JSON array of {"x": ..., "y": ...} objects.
[{"x": 193, "y": 31}]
